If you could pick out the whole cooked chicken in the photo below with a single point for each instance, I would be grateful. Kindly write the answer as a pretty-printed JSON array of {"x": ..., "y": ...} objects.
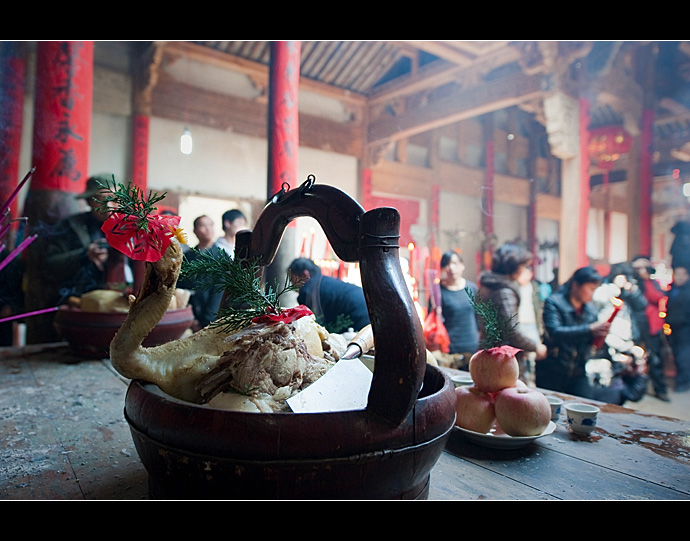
[
  {"x": 264, "y": 365},
  {"x": 253, "y": 366},
  {"x": 256, "y": 368}
]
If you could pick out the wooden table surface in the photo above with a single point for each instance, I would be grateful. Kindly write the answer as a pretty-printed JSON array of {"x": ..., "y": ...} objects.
[{"x": 64, "y": 437}]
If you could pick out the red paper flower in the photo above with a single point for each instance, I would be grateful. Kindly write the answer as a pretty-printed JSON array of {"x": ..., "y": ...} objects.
[
  {"x": 286, "y": 316},
  {"x": 503, "y": 351},
  {"x": 140, "y": 239}
]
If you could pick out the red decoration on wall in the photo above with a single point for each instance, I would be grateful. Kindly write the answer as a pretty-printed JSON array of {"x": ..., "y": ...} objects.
[
  {"x": 63, "y": 107},
  {"x": 13, "y": 69},
  {"x": 607, "y": 144}
]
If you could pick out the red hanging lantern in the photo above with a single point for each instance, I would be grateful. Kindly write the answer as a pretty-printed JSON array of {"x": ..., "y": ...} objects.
[{"x": 607, "y": 144}]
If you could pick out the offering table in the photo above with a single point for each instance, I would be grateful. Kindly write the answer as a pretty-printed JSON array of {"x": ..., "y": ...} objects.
[{"x": 64, "y": 437}]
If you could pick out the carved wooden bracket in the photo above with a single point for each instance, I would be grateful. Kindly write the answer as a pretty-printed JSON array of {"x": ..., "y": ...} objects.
[
  {"x": 561, "y": 113},
  {"x": 146, "y": 78}
]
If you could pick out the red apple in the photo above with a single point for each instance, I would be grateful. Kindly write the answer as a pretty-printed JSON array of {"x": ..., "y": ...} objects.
[
  {"x": 475, "y": 409},
  {"x": 522, "y": 411},
  {"x": 495, "y": 368}
]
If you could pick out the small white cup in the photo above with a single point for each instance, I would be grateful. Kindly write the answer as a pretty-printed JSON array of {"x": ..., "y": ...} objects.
[
  {"x": 463, "y": 378},
  {"x": 555, "y": 404},
  {"x": 582, "y": 418}
]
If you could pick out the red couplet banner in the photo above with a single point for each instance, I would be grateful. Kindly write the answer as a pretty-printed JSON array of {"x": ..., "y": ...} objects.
[
  {"x": 11, "y": 118},
  {"x": 62, "y": 124},
  {"x": 140, "y": 151}
]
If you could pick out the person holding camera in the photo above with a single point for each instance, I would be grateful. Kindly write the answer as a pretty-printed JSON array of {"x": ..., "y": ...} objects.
[
  {"x": 572, "y": 325},
  {"x": 77, "y": 258}
]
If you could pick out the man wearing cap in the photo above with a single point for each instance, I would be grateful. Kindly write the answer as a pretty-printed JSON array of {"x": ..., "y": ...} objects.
[
  {"x": 233, "y": 221},
  {"x": 77, "y": 257}
]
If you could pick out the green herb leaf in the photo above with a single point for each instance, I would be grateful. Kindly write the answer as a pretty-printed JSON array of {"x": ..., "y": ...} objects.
[
  {"x": 129, "y": 200},
  {"x": 497, "y": 329},
  {"x": 244, "y": 298}
]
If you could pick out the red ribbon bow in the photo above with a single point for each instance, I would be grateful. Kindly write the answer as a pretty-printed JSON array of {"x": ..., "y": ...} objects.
[{"x": 286, "y": 316}]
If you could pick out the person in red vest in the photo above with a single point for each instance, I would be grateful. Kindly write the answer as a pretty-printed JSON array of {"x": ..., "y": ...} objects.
[{"x": 650, "y": 324}]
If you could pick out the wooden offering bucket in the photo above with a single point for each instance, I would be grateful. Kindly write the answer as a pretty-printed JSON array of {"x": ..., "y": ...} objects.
[{"x": 385, "y": 451}]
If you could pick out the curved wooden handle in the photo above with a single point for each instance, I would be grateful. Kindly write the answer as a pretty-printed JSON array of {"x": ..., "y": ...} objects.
[
  {"x": 398, "y": 335},
  {"x": 372, "y": 239},
  {"x": 337, "y": 213}
]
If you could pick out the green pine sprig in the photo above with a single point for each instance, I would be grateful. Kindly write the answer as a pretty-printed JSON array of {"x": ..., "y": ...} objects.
[
  {"x": 244, "y": 297},
  {"x": 497, "y": 329},
  {"x": 129, "y": 200}
]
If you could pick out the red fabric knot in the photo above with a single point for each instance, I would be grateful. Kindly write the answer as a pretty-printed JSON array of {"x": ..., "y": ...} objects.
[{"x": 286, "y": 316}]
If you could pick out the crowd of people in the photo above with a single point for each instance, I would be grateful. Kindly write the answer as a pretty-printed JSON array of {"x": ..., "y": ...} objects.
[
  {"x": 76, "y": 259},
  {"x": 206, "y": 302},
  {"x": 561, "y": 331}
]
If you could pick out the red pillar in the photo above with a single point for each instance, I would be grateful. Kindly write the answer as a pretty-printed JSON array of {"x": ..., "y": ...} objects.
[
  {"x": 646, "y": 181},
  {"x": 62, "y": 124},
  {"x": 366, "y": 189},
  {"x": 283, "y": 140},
  {"x": 607, "y": 217},
  {"x": 140, "y": 151},
  {"x": 13, "y": 81},
  {"x": 283, "y": 118},
  {"x": 61, "y": 139},
  {"x": 488, "y": 196},
  {"x": 582, "y": 259},
  {"x": 434, "y": 249},
  {"x": 532, "y": 219}
]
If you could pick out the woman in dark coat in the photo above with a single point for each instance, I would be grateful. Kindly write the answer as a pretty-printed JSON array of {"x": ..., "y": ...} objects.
[
  {"x": 501, "y": 285},
  {"x": 571, "y": 325}
]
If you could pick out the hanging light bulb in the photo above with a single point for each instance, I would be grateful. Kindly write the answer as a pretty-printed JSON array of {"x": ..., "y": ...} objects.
[{"x": 186, "y": 142}]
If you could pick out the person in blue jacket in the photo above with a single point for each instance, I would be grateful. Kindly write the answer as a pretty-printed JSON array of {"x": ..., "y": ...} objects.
[{"x": 337, "y": 305}]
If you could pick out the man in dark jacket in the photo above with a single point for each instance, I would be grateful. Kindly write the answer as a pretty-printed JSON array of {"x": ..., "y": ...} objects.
[
  {"x": 77, "y": 256},
  {"x": 571, "y": 325},
  {"x": 69, "y": 258},
  {"x": 205, "y": 301},
  {"x": 337, "y": 305}
]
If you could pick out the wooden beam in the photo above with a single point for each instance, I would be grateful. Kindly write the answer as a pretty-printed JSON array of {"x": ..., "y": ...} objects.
[
  {"x": 207, "y": 55},
  {"x": 462, "y": 53},
  {"x": 469, "y": 103},
  {"x": 180, "y": 102},
  {"x": 435, "y": 75}
]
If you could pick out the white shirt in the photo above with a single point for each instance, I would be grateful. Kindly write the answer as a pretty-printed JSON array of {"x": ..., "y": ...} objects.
[{"x": 225, "y": 245}]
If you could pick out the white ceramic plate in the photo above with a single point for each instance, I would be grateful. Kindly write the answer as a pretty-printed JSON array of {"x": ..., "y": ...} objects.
[{"x": 496, "y": 439}]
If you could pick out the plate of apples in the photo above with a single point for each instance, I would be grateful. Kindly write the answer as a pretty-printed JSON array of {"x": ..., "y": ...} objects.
[{"x": 498, "y": 410}]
